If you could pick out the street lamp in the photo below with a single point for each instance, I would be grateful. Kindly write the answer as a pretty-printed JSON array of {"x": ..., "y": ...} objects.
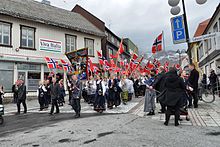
[
  {"x": 175, "y": 10},
  {"x": 180, "y": 52}
]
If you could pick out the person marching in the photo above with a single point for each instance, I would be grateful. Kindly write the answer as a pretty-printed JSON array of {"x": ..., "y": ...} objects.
[
  {"x": 41, "y": 92},
  {"x": 99, "y": 104},
  {"x": 76, "y": 88},
  {"x": 123, "y": 84},
  {"x": 54, "y": 90},
  {"x": 130, "y": 89},
  {"x": 150, "y": 95},
  {"x": 112, "y": 85},
  {"x": 91, "y": 90},
  {"x": 62, "y": 93},
  {"x": 21, "y": 97}
]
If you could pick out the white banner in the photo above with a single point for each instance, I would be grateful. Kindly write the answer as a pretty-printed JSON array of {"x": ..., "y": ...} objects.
[{"x": 50, "y": 45}]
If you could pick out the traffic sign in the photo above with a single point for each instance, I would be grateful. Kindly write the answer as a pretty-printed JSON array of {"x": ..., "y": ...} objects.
[{"x": 178, "y": 29}]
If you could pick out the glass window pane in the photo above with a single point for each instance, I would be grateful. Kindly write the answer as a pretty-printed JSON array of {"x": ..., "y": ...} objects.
[
  {"x": 30, "y": 43},
  {"x": 24, "y": 42},
  {"x": 6, "y": 79},
  {"x": 6, "y": 29},
  {"x": 0, "y": 37},
  {"x": 6, "y": 40}
]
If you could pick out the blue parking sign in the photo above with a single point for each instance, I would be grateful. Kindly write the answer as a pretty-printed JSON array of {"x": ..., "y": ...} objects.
[{"x": 178, "y": 29}]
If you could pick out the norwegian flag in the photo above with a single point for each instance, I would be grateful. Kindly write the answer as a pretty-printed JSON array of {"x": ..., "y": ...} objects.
[
  {"x": 114, "y": 56},
  {"x": 134, "y": 56},
  {"x": 177, "y": 66},
  {"x": 51, "y": 64},
  {"x": 149, "y": 66},
  {"x": 113, "y": 63},
  {"x": 121, "y": 48},
  {"x": 99, "y": 54},
  {"x": 156, "y": 63},
  {"x": 166, "y": 65},
  {"x": 66, "y": 65},
  {"x": 157, "y": 45}
]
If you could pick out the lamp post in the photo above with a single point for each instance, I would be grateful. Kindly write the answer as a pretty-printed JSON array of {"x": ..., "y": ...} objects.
[
  {"x": 180, "y": 52},
  {"x": 175, "y": 10}
]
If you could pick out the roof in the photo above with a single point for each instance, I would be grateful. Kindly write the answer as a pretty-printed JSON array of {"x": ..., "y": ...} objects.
[
  {"x": 201, "y": 28},
  {"x": 217, "y": 11},
  {"x": 47, "y": 14}
]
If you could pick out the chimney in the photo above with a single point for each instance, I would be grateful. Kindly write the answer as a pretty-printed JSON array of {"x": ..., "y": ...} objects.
[{"x": 46, "y": 2}]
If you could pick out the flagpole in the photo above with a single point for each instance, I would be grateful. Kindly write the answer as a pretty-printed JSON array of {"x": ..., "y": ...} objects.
[{"x": 164, "y": 42}]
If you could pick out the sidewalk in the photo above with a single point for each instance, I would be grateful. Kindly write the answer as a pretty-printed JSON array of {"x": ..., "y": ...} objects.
[
  {"x": 207, "y": 115},
  {"x": 33, "y": 107}
]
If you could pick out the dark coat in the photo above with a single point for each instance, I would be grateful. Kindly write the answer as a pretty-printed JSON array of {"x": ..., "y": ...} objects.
[
  {"x": 159, "y": 82},
  {"x": 22, "y": 92},
  {"x": 174, "y": 90},
  {"x": 193, "y": 79},
  {"x": 55, "y": 91}
]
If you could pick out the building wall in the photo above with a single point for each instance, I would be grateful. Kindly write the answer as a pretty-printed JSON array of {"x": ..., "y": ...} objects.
[
  {"x": 209, "y": 47},
  {"x": 33, "y": 60}
]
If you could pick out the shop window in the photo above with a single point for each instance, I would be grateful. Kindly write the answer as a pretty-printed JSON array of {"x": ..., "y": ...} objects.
[
  {"x": 6, "y": 79},
  {"x": 33, "y": 80}
]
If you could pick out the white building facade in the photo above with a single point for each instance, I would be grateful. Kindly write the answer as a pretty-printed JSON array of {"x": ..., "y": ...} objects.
[
  {"x": 209, "y": 49},
  {"x": 25, "y": 42}
]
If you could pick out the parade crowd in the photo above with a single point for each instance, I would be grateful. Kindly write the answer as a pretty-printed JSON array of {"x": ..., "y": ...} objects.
[{"x": 175, "y": 90}]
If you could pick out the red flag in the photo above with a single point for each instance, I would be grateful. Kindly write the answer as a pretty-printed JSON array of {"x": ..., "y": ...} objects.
[
  {"x": 99, "y": 54},
  {"x": 121, "y": 48},
  {"x": 135, "y": 56},
  {"x": 51, "y": 64},
  {"x": 66, "y": 65},
  {"x": 149, "y": 65},
  {"x": 101, "y": 62},
  {"x": 178, "y": 67},
  {"x": 114, "y": 56},
  {"x": 113, "y": 63},
  {"x": 157, "y": 45}
]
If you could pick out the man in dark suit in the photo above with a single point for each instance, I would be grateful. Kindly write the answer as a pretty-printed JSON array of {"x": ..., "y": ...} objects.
[
  {"x": 159, "y": 85},
  {"x": 193, "y": 82},
  {"x": 54, "y": 87},
  {"x": 21, "y": 96}
]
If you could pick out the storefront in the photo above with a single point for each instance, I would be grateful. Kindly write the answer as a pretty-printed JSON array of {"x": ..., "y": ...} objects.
[{"x": 6, "y": 75}]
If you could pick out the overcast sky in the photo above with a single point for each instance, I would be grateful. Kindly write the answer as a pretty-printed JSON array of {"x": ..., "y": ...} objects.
[{"x": 142, "y": 20}]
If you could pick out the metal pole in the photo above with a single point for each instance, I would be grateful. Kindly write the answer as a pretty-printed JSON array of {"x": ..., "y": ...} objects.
[
  {"x": 187, "y": 32},
  {"x": 180, "y": 58}
]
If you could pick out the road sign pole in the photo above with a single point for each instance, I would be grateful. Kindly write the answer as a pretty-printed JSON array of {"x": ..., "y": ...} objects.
[{"x": 187, "y": 32}]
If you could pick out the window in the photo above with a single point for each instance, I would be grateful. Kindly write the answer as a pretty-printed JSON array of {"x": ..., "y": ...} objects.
[
  {"x": 70, "y": 43},
  {"x": 110, "y": 52},
  {"x": 201, "y": 53},
  {"x": 89, "y": 43},
  {"x": 5, "y": 33},
  {"x": 27, "y": 37},
  {"x": 112, "y": 39}
]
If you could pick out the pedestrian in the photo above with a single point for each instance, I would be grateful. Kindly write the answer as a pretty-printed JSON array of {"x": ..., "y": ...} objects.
[
  {"x": 99, "y": 104},
  {"x": 41, "y": 93},
  {"x": 21, "y": 97},
  {"x": 150, "y": 95},
  {"x": 158, "y": 85},
  {"x": 48, "y": 93},
  {"x": 204, "y": 81},
  {"x": 62, "y": 93},
  {"x": 172, "y": 97},
  {"x": 91, "y": 90},
  {"x": 123, "y": 84},
  {"x": 130, "y": 89},
  {"x": 214, "y": 82},
  {"x": 193, "y": 82},
  {"x": 54, "y": 91},
  {"x": 1, "y": 94},
  {"x": 76, "y": 88},
  {"x": 112, "y": 86},
  {"x": 136, "y": 87},
  {"x": 15, "y": 92}
]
